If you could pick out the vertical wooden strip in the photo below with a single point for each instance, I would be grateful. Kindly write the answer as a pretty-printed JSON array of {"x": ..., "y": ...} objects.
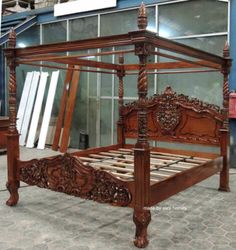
[
  {"x": 120, "y": 123},
  {"x": 29, "y": 108},
  {"x": 62, "y": 109},
  {"x": 48, "y": 110},
  {"x": 224, "y": 174},
  {"x": 23, "y": 100},
  {"x": 69, "y": 110},
  {"x": 37, "y": 110}
]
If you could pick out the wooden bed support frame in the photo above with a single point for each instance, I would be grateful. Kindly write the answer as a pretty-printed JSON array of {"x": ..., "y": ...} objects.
[{"x": 137, "y": 175}]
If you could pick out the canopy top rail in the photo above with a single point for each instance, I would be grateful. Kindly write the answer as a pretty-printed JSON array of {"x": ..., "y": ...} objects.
[{"x": 184, "y": 56}]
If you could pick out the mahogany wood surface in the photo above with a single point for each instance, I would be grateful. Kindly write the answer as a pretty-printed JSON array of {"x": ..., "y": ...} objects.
[
  {"x": 141, "y": 179},
  {"x": 4, "y": 123},
  {"x": 69, "y": 110},
  {"x": 62, "y": 108}
]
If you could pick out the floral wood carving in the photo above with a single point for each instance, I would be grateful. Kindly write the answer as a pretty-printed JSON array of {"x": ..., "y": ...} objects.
[
  {"x": 67, "y": 174},
  {"x": 167, "y": 112}
]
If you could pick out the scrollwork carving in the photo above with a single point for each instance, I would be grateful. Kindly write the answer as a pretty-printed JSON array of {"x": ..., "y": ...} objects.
[{"x": 67, "y": 174}]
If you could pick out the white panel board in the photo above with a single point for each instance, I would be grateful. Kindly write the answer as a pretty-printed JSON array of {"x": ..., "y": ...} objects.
[
  {"x": 23, "y": 100},
  {"x": 37, "y": 110},
  {"x": 82, "y": 6},
  {"x": 29, "y": 108},
  {"x": 48, "y": 110}
]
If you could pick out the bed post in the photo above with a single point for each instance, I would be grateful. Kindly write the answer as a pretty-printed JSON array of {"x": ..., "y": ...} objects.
[
  {"x": 12, "y": 136},
  {"x": 224, "y": 140},
  {"x": 120, "y": 123},
  {"x": 142, "y": 215}
]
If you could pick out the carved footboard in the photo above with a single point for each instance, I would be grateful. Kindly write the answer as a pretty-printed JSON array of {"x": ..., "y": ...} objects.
[{"x": 67, "y": 174}]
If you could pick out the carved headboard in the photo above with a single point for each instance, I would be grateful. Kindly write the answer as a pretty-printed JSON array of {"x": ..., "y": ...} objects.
[{"x": 173, "y": 117}]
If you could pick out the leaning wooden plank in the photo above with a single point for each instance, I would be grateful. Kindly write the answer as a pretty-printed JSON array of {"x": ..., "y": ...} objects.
[
  {"x": 29, "y": 108},
  {"x": 48, "y": 110},
  {"x": 23, "y": 100},
  {"x": 69, "y": 110},
  {"x": 37, "y": 110},
  {"x": 62, "y": 109}
]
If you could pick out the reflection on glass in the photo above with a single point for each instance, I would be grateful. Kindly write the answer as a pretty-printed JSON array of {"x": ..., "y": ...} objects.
[
  {"x": 105, "y": 122},
  {"x": 192, "y": 17},
  {"x": 54, "y": 32},
  {"x": 83, "y": 28},
  {"x": 124, "y": 21},
  {"x": 206, "y": 87},
  {"x": 28, "y": 37},
  {"x": 213, "y": 45}
]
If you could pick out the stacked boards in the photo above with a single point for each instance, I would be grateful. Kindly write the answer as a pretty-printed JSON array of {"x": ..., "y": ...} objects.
[{"x": 30, "y": 107}]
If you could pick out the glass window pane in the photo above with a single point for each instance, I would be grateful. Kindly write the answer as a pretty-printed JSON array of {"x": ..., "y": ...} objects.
[
  {"x": 126, "y": 20},
  {"x": 54, "y": 32},
  {"x": 79, "y": 118},
  {"x": 204, "y": 86},
  {"x": 93, "y": 112},
  {"x": 83, "y": 28},
  {"x": 106, "y": 79},
  {"x": 29, "y": 37},
  {"x": 213, "y": 45},
  {"x": 105, "y": 122},
  {"x": 192, "y": 17}
]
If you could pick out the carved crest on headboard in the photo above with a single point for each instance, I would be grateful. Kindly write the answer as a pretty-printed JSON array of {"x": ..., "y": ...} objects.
[
  {"x": 176, "y": 117},
  {"x": 167, "y": 112}
]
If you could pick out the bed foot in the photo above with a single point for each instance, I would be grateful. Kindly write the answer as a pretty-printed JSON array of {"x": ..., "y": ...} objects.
[
  {"x": 224, "y": 189},
  {"x": 14, "y": 196},
  {"x": 141, "y": 219}
]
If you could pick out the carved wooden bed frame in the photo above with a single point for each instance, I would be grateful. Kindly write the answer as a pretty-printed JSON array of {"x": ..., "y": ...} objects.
[{"x": 137, "y": 175}]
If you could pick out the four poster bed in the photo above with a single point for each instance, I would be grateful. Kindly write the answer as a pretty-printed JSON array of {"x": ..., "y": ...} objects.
[{"x": 137, "y": 176}]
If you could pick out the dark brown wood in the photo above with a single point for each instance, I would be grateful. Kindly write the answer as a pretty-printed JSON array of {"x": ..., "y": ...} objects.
[
  {"x": 12, "y": 136},
  {"x": 173, "y": 65},
  {"x": 4, "y": 123},
  {"x": 224, "y": 174},
  {"x": 62, "y": 109},
  {"x": 142, "y": 151},
  {"x": 163, "y": 190},
  {"x": 67, "y": 174},
  {"x": 120, "y": 123},
  {"x": 69, "y": 110},
  {"x": 68, "y": 68},
  {"x": 172, "y": 117},
  {"x": 166, "y": 117}
]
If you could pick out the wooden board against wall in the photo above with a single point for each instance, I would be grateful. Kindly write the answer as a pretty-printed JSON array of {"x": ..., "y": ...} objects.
[
  {"x": 37, "y": 110},
  {"x": 48, "y": 110}
]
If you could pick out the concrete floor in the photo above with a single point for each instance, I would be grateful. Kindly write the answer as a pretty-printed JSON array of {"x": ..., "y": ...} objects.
[{"x": 198, "y": 218}]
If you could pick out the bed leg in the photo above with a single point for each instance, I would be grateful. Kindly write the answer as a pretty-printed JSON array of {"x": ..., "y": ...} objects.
[
  {"x": 141, "y": 219},
  {"x": 12, "y": 182},
  {"x": 224, "y": 177}
]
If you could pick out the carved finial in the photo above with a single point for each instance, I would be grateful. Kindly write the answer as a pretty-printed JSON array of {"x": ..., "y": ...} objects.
[
  {"x": 12, "y": 39},
  {"x": 169, "y": 91},
  {"x": 142, "y": 17},
  {"x": 226, "y": 50}
]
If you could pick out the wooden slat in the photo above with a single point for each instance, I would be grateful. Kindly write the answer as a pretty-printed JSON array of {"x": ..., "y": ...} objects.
[
  {"x": 69, "y": 110},
  {"x": 29, "y": 108},
  {"x": 48, "y": 110},
  {"x": 37, "y": 110},
  {"x": 62, "y": 108},
  {"x": 23, "y": 100}
]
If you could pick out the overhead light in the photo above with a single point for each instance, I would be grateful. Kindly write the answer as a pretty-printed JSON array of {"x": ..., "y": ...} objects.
[{"x": 21, "y": 45}]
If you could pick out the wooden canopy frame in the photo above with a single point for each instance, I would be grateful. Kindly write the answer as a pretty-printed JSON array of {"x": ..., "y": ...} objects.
[{"x": 141, "y": 192}]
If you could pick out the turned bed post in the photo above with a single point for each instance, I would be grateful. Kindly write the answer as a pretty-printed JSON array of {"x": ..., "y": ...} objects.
[
  {"x": 120, "y": 123},
  {"x": 12, "y": 136},
  {"x": 224, "y": 138},
  {"x": 142, "y": 215}
]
